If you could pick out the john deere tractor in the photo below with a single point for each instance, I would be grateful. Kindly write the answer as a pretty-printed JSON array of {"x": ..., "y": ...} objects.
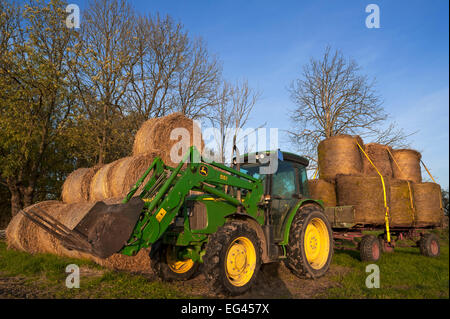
[{"x": 202, "y": 213}]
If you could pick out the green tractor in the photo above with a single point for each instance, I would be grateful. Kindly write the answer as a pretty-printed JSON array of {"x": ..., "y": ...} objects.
[{"x": 227, "y": 220}]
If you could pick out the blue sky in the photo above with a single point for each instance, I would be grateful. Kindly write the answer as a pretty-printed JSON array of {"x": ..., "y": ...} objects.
[{"x": 268, "y": 42}]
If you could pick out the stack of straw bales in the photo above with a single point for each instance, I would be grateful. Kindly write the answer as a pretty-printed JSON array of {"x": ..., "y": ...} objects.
[
  {"x": 110, "y": 183},
  {"x": 347, "y": 177}
]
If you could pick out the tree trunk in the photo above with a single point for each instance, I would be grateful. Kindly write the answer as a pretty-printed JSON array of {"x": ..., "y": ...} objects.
[{"x": 16, "y": 198}]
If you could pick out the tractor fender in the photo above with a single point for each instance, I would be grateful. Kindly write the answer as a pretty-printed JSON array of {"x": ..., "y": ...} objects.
[
  {"x": 293, "y": 212},
  {"x": 253, "y": 224}
]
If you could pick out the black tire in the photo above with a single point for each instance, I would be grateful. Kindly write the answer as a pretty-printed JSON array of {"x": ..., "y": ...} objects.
[
  {"x": 160, "y": 265},
  {"x": 215, "y": 258},
  {"x": 429, "y": 245},
  {"x": 296, "y": 255},
  {"x": 370, "y": 248}
]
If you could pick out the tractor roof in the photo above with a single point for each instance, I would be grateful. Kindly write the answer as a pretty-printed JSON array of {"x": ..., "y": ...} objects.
[{"x": 287, "y": 156}]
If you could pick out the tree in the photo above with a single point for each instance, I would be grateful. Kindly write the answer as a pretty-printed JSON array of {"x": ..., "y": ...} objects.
[
  {"x": 333, "y": 98},
  {"x": 230, "y": 115},
  {"x": 445, "y": 201},
  {"x": 101, "y": 64},
  {"x": 33, "y": 98}
]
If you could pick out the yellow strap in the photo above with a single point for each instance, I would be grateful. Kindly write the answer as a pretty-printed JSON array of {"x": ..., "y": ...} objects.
[
  {"x": 386, "y": 217},
  {"x": 393, "y": 158},
  {"x": 315, "y": 173},
  {"x": 427, "y": 171},
  {"x": 412, "y": 202}
]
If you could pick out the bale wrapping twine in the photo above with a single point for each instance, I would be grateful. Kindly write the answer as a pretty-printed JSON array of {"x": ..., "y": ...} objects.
[
  {"x": 323, "y": 190},
  {"x": 365, "y": 193},
  {"x": 406, "y": 165},
  {"x": 401, "y": 204},
  {"x": 379, "y": 156},
  {"x": 339, "y": 155},
  {"x": 428, "y": 203}
]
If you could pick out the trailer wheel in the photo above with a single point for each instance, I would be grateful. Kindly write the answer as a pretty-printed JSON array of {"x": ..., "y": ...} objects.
[
  {"x": 310, "y": 246},
  {"x": 168, "y": 267},
  {"x": 232, "y": 258},
  {"x": 370, "y": 248},
  {"x": 429, "y": 245}
]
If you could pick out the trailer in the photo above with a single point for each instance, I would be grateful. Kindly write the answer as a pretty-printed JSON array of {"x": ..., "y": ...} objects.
[{"x": 346, "y": 229}]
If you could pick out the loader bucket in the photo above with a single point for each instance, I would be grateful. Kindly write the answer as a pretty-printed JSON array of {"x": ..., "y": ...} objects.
[
  {"x": 103, "y": 231},
  {"x": 108, "y": 227}
]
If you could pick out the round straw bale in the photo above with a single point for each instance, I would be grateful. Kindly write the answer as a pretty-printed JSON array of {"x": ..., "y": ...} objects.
[
  {"x": 320, "y": 189},
  {"x": 156, "y": 135},
  {"x": 101, "y": 183},
  {"x": 339, "y": 155},
  {"x": 379, "y": 156},
  {"x": 144, "y": 137},
  {"x": 401, "y": 206},
  {"x": 406, "y": 165},
  {"x": 29, "y": 234},
  {"x": 12, "y": 232},
  {"x": 365, "y": 193},
  {"x": 76, "y": 186},
  {"x": 127, "y": 171},
  {"x": 428, "y": 203}
]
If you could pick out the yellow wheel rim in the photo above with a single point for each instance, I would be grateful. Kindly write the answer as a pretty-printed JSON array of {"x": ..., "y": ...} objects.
[
  {"x": 240, "y": 261},
  {"x": 178, "y": 266},
  {"x": 317, "y": 243}
]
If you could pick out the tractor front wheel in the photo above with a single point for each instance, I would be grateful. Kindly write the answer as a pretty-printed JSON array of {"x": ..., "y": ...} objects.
[
  {"x": 310, "y": 247},
  {"x": 232, "y": 258},
  {"x": 167, "y": 266}
]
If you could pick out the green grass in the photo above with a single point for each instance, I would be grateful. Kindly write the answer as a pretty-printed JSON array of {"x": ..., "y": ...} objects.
[
  {"x": 403, "y": 274},
  {"x": 47, "y": 272}
]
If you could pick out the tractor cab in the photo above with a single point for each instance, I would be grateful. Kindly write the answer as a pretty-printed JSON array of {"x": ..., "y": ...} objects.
[{"x": 285, "y": 183}]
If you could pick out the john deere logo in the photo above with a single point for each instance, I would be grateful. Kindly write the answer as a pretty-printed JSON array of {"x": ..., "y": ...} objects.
[{"x": 203, "y": 170}]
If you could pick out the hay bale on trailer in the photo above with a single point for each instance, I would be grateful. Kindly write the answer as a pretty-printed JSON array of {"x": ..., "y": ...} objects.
[
  {"x": 379, "y": 155},
  {"x": 339, "y": 155},
  {"x": 401, "y": 204},
  {"x": 155, "y": 134},
  {"x": 406, "y": 165},
  {"x": 76, "y": 186},
  {"x": 428, "y": 203},
  {"x": 365, "y": 193},
  {"x": 323, "y": 190}
]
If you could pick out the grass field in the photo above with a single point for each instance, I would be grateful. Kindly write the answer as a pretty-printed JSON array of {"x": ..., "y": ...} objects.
[{"x": 403, "y": 274}]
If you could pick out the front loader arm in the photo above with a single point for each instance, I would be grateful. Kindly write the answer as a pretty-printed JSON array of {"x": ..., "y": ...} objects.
[{"x": 164, "y": 196}]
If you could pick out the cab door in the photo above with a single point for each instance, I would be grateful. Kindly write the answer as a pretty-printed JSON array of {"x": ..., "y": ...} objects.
[{"x": 284, "y": 190}]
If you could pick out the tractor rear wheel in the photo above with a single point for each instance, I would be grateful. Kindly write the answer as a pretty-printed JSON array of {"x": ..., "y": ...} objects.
[
  {"x": 370, "y": 248},
  {"x": 310, "y": 247},
  {"x": 167, "y": 266},
  {"x": 429, "y": 245},
  {"x": 232, "y": 258}
]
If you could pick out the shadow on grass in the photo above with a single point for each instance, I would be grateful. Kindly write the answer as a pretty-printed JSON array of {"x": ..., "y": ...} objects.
[{"x": 350, "y": 252}]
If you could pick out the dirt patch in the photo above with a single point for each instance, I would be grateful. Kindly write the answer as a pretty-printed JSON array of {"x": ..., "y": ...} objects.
[
  {"x": 274, "y": 281},
  {"x": 18, "y": 288}
]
